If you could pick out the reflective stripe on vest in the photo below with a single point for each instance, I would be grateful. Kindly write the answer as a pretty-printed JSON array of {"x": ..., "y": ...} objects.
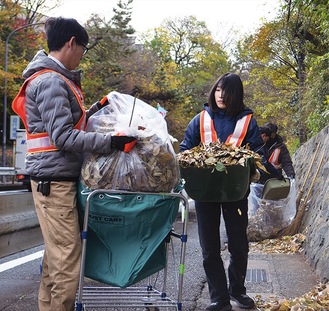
[
  {"x": 240, "y": 131},
  {"x": 274, "y": 158},
  {"x": 40, "y": 142},
  {"x": 207, "y": 130},
  {"x": 208, "y": 133},
  {"x": 35, "y": 144}
]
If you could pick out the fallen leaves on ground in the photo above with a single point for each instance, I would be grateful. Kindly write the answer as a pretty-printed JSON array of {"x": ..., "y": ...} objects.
[
  {"x": 315, "y": 300},
  {"x": 284, "y": 245}
]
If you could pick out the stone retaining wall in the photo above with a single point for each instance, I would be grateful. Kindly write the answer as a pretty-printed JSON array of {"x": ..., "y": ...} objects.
[{"x": 315, "y": 224}]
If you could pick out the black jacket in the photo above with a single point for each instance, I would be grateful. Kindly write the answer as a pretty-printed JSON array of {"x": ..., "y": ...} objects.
[{"x": 284, "y": 158}]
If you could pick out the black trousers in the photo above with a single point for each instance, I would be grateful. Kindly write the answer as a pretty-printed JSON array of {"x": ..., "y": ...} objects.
[{"x": 235, "y": 215}]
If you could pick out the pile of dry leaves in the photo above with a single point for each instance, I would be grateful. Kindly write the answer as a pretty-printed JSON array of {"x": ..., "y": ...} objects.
[
  {"x": 283, "y": 245},
  {"x": 315, "y": 300},
  {"x": 218, "y": 155}
]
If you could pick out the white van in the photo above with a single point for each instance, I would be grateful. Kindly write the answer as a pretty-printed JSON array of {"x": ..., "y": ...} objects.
[{"x": 20, "y": 153}]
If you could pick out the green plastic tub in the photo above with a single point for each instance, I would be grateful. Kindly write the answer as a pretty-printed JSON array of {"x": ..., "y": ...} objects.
[
  {"x": 275, "y": 189},
  {"x": 210, "y": 185}
]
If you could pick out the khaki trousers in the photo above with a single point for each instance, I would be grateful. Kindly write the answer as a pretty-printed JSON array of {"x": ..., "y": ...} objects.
[{"x": 58, "y": 218}]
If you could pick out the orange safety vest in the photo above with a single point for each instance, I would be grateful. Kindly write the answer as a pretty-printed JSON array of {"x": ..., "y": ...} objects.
[
  {"x": 41, "y": 142},
  {"x": 208, "y": 133},
  {"x": 274, "y": 158}
]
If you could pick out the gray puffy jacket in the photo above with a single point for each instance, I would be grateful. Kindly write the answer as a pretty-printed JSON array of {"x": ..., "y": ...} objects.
[{"x": 52, "y": 107}]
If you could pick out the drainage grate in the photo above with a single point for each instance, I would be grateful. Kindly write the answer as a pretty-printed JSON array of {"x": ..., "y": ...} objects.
[{"x": 256, "y": 276}]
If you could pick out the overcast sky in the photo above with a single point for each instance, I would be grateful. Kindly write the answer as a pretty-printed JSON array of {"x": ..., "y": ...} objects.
[{"x": 244, "y": 15}]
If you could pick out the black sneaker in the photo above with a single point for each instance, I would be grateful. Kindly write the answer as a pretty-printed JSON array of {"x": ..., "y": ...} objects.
[
  {"x": 219, "y": 306},
  {"x": 243, "y": 301}
]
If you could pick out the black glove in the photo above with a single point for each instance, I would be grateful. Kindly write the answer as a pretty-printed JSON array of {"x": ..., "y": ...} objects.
[
  {"x": 123, "y": 143},
  {"x": 102, "y": 103},
  {"x": 280, "y": 176}
]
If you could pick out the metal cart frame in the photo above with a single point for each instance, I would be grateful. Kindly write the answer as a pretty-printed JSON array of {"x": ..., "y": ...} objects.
[{"x": 146, "y": 297}]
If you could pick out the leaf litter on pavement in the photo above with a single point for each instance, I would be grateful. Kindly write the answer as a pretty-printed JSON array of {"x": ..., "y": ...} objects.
[{"x": 315, "y": 300}]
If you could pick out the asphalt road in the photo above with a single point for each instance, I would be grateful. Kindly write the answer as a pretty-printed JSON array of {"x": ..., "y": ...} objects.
[
  {"x": 268, "y": 275},
  {"x": 19, "y": 285}
]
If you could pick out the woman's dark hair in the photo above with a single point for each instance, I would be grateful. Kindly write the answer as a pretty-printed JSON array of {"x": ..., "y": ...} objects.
[
  {"x": 232, "y": 92},
  {"x": 60, "y": 30}
]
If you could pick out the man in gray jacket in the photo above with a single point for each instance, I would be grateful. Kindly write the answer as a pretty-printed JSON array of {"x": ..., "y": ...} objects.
[{"x": 50, "y": 104}]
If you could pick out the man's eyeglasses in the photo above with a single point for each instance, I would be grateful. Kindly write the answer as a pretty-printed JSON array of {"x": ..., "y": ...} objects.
[{"x": 85, "y": 49}]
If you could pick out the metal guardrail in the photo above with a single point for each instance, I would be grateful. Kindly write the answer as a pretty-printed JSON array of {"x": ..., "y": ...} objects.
[
  {"x": 19, "y": 226},
  {"x": 7, "y": 171}
]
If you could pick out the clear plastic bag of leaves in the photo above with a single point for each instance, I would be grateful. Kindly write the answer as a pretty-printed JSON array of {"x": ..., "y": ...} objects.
[
  {"x": 151, "y": 166},
  {"x": 268, "y": 217}
]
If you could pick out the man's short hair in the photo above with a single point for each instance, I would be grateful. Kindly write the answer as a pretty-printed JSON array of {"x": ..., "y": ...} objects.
[
  {"x": 273, "y": 127},
  {"x": 60, "y": 30},
  {"x": 265, "y": 130}
]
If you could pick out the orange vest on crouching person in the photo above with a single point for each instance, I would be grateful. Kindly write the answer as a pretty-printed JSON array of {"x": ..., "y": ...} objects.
[
  {"x": 41, "y": 142},
  {"x": 208, "y": 133},
  {"x": 274, "y": 158}
]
